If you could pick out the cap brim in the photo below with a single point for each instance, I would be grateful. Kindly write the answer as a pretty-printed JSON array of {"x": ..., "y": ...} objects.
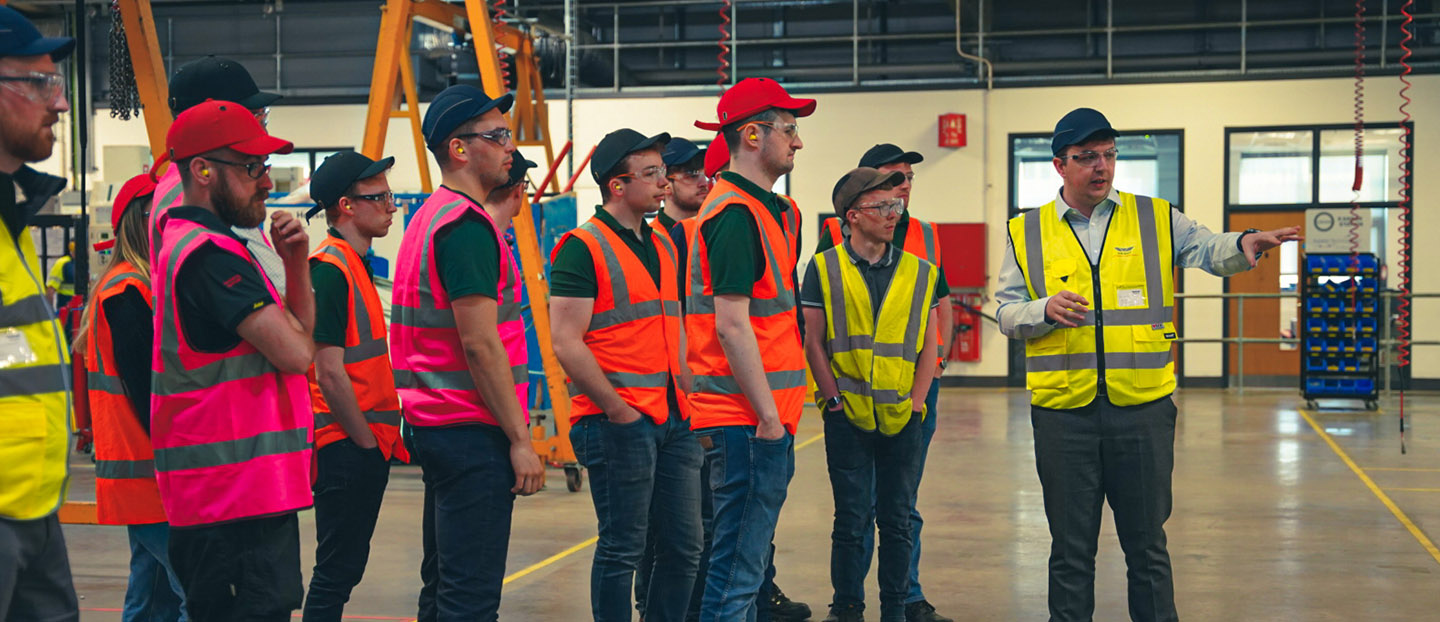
[
  {"x": 504, "y": 102},
  {"x": 315, "y": 209},
  {"x": 895, "y": 178},
  {"x": 105, "y": 245},
  {"x": 263, "y": 145},
  {"x": 793, "y": 105},
  {"x": 684, "y": 156},
  {"x": 658, "y": 139},
  {"x": 259, "y": 100},
  {"x": 57, "y": 48},
  {"x": 380, "y": 166}
]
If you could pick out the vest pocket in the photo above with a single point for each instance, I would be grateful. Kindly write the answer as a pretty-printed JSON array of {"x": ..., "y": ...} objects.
[
  {"x": 1046, "y": 362},
  {"x": 22, "y": 447},
  {"x": 1152, "y": 355}
]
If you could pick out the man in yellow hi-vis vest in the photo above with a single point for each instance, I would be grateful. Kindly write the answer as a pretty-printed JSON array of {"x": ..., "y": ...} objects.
[
  {"x": 1088, "y": 283},
  {"x": 35, "y": 581},
  {"x": 870, "y": 308}
]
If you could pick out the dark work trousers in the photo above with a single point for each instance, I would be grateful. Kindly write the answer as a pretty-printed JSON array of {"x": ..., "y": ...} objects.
[
  {"x": 1124, "y": 454},
  {"x": 245, "y": 571},
  {"x": 35, "y": 584},
  {"x": 349, "y": 486},
  {"x": 869, "y": 468},
  {"x": 466, "y": 523}
]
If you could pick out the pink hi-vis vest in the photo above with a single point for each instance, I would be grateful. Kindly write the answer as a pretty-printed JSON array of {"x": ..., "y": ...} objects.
[
  {"x": 232, "y": 434},
  {"x": 431, "y": 375},
  {"x": 168, "y": 193}
]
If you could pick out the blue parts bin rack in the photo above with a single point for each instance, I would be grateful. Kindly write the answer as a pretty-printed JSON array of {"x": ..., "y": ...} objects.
[{"x": 1340, "y": 320}]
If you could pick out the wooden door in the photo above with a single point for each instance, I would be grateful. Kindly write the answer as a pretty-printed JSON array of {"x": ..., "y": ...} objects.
[{"x": 1265, "y": 363}]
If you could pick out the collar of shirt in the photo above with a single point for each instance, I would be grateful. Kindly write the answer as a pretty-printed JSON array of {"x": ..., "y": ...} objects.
[
  {"x": 205, "y": 218},
  {"x": 765, "y": 196},
  {"x": 886, "y": 258},
  {"x": 665, "y": 220},
  {"x": 1063, "y": 209},
  {"x": 467, "y": 197},
  {"x": 624, "y": 232},
  {"x": 365, "y": 261}
]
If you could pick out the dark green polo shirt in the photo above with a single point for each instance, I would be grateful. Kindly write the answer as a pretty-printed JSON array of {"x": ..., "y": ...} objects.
[
  {"x": 572, "y": 274},
  {"x": 729, "y": 234},
  {"x": 942, "y": 288},
  {"x": 332, "y": 298},
  {"x": 468, "y": 257}
]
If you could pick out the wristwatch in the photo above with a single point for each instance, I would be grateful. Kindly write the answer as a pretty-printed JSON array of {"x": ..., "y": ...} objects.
[
  {"x": 1240, "y": 241},
  {"x": 831, "y": 404}
]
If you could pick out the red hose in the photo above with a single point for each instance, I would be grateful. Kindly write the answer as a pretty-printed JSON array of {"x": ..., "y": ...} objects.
[
  {"x": 724, "y": 56},
  {"x": 1402, "y": 322},
  {"x": 1354, "y": 233},
  {"x": 497, "y": 16}
]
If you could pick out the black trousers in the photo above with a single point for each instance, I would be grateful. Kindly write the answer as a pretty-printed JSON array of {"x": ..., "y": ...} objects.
[
  {"x": 1123, "y": 454},
  {"x": 349, "y": 487},
  {"x": 245, "y": 571},
  {"x": 35, "y": 583}
]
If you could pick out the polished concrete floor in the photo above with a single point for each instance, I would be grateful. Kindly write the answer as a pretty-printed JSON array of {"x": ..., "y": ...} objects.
[{"x": 1279, "y": 515}]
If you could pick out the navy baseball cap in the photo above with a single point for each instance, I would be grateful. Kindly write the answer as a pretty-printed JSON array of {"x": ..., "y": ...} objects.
[
  {"x": 618, "y": 144},
  {"x": 216, "y": 78},
  {"x": 886, "y": 153},
  {"x": 456, "y": 105},
  {"x": 1078, "y": 126},
  {"x": 19, "y": 37},
  {"x": 518, "y": 167},
  {"x": 680, "y": 151},
  {"x": 337, "y": 173}
]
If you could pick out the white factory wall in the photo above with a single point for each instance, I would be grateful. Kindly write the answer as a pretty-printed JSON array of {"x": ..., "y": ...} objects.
[{"x": 969, "y": 184}]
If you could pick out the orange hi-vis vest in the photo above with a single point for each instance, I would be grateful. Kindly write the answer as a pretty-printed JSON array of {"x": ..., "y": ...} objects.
[
  {"x": 125, "y": 488},
  {"x": 716, "y": 399},
  {"x": 634, "y": 330},
  {"x": 919, "y": 241},
  {"x": 367, "y": 357}
]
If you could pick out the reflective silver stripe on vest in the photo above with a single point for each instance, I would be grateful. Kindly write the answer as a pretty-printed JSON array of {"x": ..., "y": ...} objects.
[
  {"x": 881, "y": 397},
  {"x": 703, "y": 304},
  {"x": 221, "y": 453},
  {"x": 1035, "y": 252},
  {"x": 382, "y": 417},
  {"x": 450, "y": 380},
  {"x": 1150, "y": 242},
  {"x": 367, "y": 348},
  {"x": 1138, "y": 317},
  {"x": 121, "y": 277},
  {"x": 35, "y": 380},
  {"x": 726, "y": 385},
  {"x": 421, "y": 318},
  {"x": 104, "y": 383},
  {"x": 26, "y": 311},
  {"x": 624, "y": 310},
  {"x": 626, "y": 380},
  {"x": 1137, "y": 360},
  {"x": 124, "y": 469},
  {"x": 839, "y": 315},
  {"x": 1060, "y": 362},
  {"x": 177, "y": 380},
  {"x": 912, "y": 344},
  {"x": 929, "y": 232}
]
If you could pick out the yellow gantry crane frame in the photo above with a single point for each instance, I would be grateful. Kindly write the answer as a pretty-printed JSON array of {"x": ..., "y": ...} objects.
[{"x": 393, "y": 94}]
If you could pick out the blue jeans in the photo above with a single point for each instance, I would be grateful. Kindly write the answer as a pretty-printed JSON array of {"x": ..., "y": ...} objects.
[
  {"x": 748, "y": 481},
  {"x": 927, "y": 432},
  {"x": 642, "y": 475},
  {"x": 349, "y": 488},
  {"x": 466, "y": 524},
  {"x": 869, "y": 468},
  {"x": 154, "y": 593}
]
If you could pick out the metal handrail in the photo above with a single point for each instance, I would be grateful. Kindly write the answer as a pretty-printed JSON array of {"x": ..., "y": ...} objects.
[{"x": 1385, "y": 352}]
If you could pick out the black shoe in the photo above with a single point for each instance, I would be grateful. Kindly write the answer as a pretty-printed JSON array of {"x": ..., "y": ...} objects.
[
  {"x": 923, "y": 611},
  {"x": 782, "y": 609},
  {"x": 852, "y": 612}
]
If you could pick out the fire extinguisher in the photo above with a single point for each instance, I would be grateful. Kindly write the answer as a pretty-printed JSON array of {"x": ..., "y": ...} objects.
[{"x": 965, "y": 343}]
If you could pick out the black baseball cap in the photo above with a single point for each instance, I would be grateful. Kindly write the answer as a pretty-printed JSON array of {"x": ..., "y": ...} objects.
[
  {"x": 618, "y": 144},
  {"x": 216, "y": 78},
  {"x": 859, "y": 181},
  {"x": 886, "y": 153},
  {"x": 337, "y": 173},
  {"x": 1078, "y": 126},
  {"x": 20, "y": 37},
  {"x": 680, "y": 151},
  {"x": 456, "y": 105},
  {"x": 518, "y": 167}
]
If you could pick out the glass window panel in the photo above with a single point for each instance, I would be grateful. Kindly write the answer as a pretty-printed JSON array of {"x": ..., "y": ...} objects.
[
  {"x": 1381, "y": 163},
  {"x": 1270, "y": 168}
]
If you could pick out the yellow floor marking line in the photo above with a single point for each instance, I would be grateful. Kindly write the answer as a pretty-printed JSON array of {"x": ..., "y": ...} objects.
[
  {"x": 1369, "y": 483},
  {"x": 520, "y": 574}
]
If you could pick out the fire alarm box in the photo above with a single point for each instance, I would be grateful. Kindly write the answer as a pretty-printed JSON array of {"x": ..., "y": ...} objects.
[{"x": 952, "y": 130}]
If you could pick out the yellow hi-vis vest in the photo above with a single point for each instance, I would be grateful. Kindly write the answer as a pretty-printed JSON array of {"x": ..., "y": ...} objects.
[
  {"x": 873, "y": 356},
  {"x": 1132, "y": 302},
  {"x": 34, "y": 388}
]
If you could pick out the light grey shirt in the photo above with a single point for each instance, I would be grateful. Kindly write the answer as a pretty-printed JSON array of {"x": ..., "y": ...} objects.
[
  {"x": 1195, "y": 246},
  {"x": 265, "y": 255}
]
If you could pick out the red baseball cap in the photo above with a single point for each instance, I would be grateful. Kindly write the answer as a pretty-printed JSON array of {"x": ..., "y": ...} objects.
[
  {"x": 752, "y": 96},
  {"x": 218, "y": 124},
  {"x": 717, "y": 155},
  {"x": 138, "y": 187}
]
